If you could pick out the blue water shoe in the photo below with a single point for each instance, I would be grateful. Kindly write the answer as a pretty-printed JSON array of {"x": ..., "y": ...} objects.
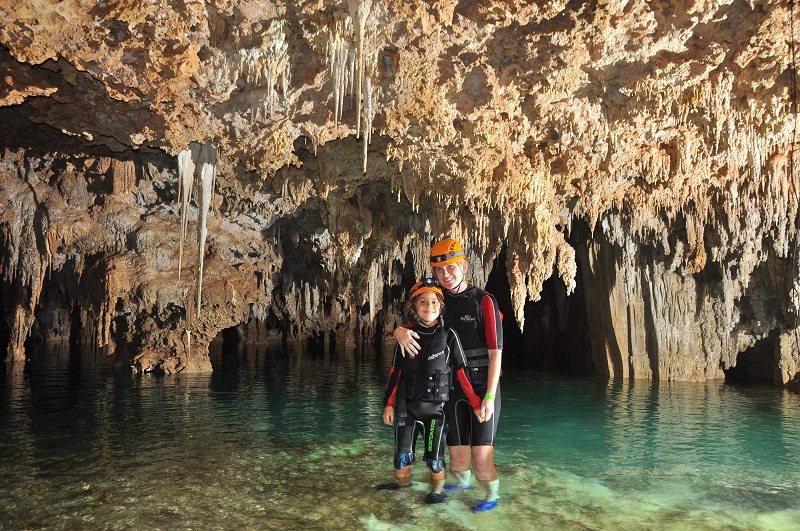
[{"x": 485, "y": 505}]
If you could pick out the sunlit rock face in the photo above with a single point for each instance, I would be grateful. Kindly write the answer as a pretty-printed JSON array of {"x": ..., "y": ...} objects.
[{"x": 640, "y": 151}]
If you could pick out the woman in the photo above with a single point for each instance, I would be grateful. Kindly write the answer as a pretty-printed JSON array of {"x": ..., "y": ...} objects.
[{"x": 475, "y": 317}]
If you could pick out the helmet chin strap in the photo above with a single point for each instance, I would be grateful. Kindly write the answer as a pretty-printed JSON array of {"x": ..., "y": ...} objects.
[{"x": 458, "y": 286}]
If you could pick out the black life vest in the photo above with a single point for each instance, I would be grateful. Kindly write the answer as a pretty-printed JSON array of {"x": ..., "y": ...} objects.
[{"x": 428, "y": 375}]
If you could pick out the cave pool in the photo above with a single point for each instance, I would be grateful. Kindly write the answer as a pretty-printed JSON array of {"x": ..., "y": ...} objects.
[{"x": 284, "y": 439}]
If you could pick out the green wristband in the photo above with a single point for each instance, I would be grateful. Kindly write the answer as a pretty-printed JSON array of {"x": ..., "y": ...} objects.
[{"x": 488, "y": 396}]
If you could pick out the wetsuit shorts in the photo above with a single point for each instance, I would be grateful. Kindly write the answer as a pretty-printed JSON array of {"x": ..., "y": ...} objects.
[
  {"x": 426, "y": 418},
  {"x": 463, "y": 428}
]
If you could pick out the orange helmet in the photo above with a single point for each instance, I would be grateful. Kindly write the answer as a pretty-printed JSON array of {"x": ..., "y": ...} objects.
[
  {"x": 447, "y": 251},
  {"x": 425, "y": 284}
]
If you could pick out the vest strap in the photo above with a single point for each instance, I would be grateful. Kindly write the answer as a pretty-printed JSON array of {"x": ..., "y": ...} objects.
[{"x": 477, "y": 357}]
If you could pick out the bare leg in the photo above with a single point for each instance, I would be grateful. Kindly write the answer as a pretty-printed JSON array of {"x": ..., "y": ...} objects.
[
  {"x": 437, "y": 481},
  {"x": 483, "y": 457},
  {"x": 460, "y": 457},
  {"x": 403, "y": 476}
]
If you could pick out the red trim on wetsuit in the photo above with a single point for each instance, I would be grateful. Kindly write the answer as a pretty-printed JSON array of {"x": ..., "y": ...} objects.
[
  {"x": 389, "y": 400},
  {"x": 466, "y": 386},
  {"x": 394, "y": 379},
  {"x": 491, "y": 324}
]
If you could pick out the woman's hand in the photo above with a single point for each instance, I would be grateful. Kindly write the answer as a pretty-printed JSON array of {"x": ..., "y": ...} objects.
[
  {"x": 478, "y": 414},
  {"x": 406, "y": 338},
  {"x": 388, "y": 415},
  {"x": 487, "y": 410}
]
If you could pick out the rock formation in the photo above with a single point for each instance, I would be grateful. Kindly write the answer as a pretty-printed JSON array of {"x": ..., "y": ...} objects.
[{"x": 645, "y": 151}]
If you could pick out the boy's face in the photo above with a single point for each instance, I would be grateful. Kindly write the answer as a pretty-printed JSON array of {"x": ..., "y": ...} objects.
[{"x": 428, "y": 308}]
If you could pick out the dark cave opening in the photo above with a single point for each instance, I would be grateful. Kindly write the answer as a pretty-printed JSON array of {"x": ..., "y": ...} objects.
[
  {"x": 555, "y": 337},
  {"x": 226, "y": 349},
  {"x": 756, "y": 365},
  {"x": 4, "y": 332},
  {"x": 231, "y": 337},
  {"x": 75, "y": 330}
]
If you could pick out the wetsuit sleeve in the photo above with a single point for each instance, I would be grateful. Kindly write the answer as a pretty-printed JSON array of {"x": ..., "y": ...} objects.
[
  {"x": 459, "y": 362},
  {"x": 492, "y": 323},
  {"x": 394, "y": 379}
]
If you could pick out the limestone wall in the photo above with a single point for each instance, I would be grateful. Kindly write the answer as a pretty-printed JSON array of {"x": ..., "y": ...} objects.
[{"x": 342, "y": 137}]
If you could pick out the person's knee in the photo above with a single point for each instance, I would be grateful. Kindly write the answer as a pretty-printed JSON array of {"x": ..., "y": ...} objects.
[
  {"x": 483, "y": 460},
  {"x": 459, "y": 458}
]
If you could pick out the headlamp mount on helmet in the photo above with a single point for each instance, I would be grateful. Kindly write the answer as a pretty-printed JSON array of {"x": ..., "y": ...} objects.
[{"x": 425, "y": 284}]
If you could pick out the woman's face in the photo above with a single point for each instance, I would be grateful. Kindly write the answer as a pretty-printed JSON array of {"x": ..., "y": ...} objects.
[
  {"x": 428, "y": 308},
  {"x": 451, "y": 276}
]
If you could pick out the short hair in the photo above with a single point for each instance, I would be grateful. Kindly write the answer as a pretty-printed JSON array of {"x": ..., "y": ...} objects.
[{"x": 409, "y": 310}]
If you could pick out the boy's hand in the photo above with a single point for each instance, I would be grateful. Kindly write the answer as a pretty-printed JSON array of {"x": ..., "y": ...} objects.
[{"x": 388, "y": 415}]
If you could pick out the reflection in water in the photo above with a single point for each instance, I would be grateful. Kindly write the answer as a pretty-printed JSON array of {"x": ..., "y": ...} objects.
[{"x": 286, "y": 440}]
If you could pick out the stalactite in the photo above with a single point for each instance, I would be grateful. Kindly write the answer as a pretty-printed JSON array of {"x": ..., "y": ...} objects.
[
  {"x": 123, "y": 176},
  {"x": 206, "y": 189},
  {"x": 268, "y": 67},
  {"x": 359, "y": 12},
  {"x": 369, "y": 113},
  {"x": 375, "y": 289},
  {"x": 186, "y": 171},
  {"x": 339, "y": 53},
  {"x": 566, "y": 266}
]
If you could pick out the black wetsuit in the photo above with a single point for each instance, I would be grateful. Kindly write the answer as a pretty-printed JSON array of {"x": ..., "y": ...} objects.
[
  {"x": 418, "y": 388},
  {"x": 475, "y": 317}
]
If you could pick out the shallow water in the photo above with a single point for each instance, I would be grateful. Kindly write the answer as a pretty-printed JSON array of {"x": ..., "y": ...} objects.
[{"x": 276, "y": 440}]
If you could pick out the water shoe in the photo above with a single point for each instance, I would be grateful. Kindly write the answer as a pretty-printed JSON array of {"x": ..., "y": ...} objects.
[
  {"x": 484, "y": 505},
  {"x": 435, "y": 497}
]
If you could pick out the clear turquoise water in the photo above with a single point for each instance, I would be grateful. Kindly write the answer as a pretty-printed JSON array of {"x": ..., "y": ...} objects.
[{"x": 275, "y": 440}]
